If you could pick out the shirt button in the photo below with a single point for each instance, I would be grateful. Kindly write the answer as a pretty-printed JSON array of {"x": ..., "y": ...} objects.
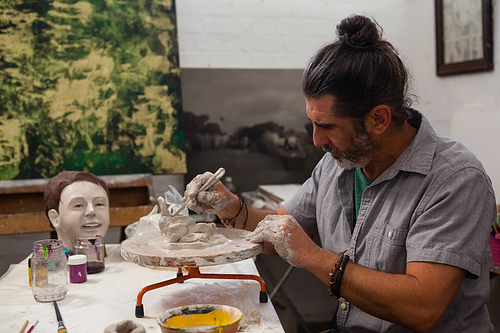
[
  {"x": 343, "y": 306},
  {"x": 389, "y": 234}
]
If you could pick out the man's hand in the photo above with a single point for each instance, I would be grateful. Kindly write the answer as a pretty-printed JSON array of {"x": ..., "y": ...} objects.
[
  {"x": 213, "y": 200},
  {"x": 288, "y": 238}
]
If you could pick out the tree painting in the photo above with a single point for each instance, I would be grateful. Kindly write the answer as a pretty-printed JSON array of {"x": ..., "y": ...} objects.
[{"x": 89, "y": 85}]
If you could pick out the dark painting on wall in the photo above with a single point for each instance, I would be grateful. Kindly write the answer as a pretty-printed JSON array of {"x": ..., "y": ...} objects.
[
  {"x": 251, "y": 122},
  {"x": 89, "y": 85}
]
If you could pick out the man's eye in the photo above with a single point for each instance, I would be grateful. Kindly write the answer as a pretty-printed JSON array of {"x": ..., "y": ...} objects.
[{"x": 324, "y": 126}]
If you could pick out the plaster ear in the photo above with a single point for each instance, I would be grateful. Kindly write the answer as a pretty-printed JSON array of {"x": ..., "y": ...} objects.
[{"x": 54, "y": 218}]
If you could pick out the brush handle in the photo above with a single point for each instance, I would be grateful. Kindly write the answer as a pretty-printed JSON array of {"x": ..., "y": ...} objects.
[{"x": 60, "y": 324}]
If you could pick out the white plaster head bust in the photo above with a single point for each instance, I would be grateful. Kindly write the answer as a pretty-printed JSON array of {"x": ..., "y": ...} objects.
[{"x": 77, "y": 204}]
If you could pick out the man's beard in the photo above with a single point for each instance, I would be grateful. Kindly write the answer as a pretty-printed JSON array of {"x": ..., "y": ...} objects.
[{"x": 357, "y": 155}]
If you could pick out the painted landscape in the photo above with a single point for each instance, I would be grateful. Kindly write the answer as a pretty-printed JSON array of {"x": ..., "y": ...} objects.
[{"x": 89, "y": 85}]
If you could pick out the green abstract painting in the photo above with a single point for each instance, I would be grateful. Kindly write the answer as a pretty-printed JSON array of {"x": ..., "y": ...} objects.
[{"x": 90, "y": 85}]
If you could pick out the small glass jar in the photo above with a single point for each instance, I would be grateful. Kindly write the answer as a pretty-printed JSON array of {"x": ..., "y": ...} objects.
[
  {"x": 49, "y": 271},
  {"x": 77, "y": 268},
  {"x": 93, "y": 248}
]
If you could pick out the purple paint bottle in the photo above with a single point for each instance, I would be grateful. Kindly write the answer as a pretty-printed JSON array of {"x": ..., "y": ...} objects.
[{"x": 77, "y": 268}]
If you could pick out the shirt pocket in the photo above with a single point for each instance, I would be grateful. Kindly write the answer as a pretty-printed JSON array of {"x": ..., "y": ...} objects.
[{"x": 386, "y": 248}]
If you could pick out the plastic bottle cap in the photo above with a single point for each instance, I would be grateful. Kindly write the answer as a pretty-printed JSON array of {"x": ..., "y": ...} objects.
[{"x": 77, "y": 259}]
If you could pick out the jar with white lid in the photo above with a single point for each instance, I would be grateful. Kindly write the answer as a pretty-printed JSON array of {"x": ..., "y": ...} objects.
[{"x": 77, "y": 268}]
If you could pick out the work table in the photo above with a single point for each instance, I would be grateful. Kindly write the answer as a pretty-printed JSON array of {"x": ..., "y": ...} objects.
[{"x": 110, "y": 296}]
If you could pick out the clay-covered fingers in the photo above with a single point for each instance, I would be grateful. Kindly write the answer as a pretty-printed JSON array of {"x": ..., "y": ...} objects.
[
  {"x": 289, "y": 239},
  {"x": 195, "y": 185},
  {"x": 284, "y": 233},
  {"x": 265, "y": 229},
  {"x": 211, "y": 200}
]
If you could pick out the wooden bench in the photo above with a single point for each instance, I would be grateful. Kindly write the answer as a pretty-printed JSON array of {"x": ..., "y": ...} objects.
[{"x": 22, "y": 205}]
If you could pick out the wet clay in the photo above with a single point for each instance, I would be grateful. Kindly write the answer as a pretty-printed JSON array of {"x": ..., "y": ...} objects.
[{"x": 183, "y": 229}]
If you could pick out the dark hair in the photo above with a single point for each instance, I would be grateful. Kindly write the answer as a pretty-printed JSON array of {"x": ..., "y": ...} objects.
[
  {"x": 360, "y": 70},
  {"x": 53, "y": 189}
]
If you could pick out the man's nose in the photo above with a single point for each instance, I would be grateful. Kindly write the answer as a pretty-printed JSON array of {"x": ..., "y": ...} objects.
[{"x": 319, "y": 137}]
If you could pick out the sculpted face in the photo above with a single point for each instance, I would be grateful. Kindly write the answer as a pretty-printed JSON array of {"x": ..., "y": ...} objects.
[{"x": 83, "y": 211}]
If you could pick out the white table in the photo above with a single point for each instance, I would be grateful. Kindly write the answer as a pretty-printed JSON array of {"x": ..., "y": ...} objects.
[{"x": 110, "y": 297}]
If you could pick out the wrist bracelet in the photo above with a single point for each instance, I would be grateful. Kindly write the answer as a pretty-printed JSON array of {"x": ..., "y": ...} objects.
[
  {"x": 333, "y": 273},
  {"x": 336, "y": 289},
  {"x": 232, "y": 221},
  {"x": 246, "y": 215}
]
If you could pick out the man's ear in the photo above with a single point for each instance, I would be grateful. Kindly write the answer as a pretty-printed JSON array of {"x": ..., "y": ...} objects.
[
  {"x": 54, "y": 218},
  {"x": 379, "y": 119}
]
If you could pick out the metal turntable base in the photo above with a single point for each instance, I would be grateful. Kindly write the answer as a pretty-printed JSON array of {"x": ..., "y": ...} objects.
[{"x": 152, "y": 250}]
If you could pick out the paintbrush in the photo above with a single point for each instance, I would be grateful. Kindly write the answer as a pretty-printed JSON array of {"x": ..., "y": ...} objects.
[
  {"x": 60, "y": 325},
  {"x": 215, "y": 177}
]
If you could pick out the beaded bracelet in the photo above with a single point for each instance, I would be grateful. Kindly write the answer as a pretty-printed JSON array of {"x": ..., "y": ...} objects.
[
  {"x": 333, "y": 273},
  {"x": 232, "y": 221},
  {"x": 246, "y": 215},
  {"x": 336, "y": 289}
]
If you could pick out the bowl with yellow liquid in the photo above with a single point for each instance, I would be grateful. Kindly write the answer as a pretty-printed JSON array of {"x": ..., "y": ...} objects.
[{"x": 200, "y": 318}]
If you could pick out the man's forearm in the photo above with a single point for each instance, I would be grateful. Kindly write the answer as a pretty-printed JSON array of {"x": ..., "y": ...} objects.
[{"x": 415, "y": 300}]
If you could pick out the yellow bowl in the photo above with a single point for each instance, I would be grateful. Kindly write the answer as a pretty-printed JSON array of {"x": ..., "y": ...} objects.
[{"x": 200, "y": 318}]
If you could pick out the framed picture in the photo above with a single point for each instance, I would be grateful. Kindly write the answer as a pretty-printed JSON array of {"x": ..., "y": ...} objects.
[{"x": 464, "y": 40}]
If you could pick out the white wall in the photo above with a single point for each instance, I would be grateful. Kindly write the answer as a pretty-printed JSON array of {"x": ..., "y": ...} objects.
[
  {"x": 283, "y": 34},
  {"x": 465, "y": 107},
  {"x": 272, "y": 34}
]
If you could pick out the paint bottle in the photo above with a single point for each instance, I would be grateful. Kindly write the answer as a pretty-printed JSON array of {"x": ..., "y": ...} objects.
[
  {"x": 49, "y": 271},
  {"x": 94, "y": 249},
  {"x": 77, "y": 268}
]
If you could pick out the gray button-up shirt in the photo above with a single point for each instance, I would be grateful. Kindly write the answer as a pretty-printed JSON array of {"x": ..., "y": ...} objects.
[{"x": 435, "y": 203}]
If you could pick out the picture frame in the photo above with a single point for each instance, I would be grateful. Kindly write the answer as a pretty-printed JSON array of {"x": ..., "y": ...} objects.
[{"x": 464, "y": 36}]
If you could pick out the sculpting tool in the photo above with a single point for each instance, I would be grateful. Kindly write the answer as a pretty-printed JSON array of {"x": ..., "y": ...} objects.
[
  {"x": 60, "y": 325},
  {"x": 215, "y": 177}
]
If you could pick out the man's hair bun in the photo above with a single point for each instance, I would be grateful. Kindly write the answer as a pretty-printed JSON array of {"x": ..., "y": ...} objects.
[{"x": 359, "y": 32}]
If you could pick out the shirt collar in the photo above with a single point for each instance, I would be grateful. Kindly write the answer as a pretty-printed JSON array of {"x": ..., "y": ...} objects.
[{"x": 419, "y": 154}]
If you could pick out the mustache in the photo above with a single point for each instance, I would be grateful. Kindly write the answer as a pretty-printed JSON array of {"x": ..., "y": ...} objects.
[{"x": 331, "y": 149}]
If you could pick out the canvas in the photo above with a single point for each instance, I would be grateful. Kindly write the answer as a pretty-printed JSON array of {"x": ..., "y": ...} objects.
[{"x": 89, "y": 85}]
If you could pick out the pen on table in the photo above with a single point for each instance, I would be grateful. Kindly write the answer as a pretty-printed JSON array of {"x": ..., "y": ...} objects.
[
  {"x": 32, "y": 327},
  {"x": 24, "y": 326}
]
